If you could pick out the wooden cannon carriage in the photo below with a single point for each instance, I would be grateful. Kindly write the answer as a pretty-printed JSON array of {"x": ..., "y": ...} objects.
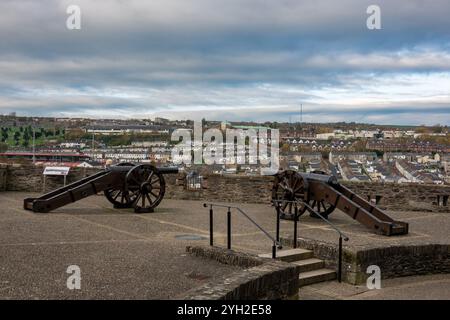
[
  {"x": 126, "y": 185},
  {"x": 321, "y": 194}
]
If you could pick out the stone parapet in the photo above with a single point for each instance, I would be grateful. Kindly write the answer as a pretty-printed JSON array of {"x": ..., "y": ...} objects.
[
  {"x": 3, "y": 169},
  {"x": 394, "y": 261},
  {"x": 261, "y": 278},
  {"x": 247, "y": 189}
]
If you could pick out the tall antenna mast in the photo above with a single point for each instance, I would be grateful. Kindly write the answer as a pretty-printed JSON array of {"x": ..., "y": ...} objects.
[{"x": 301, "y": 113}]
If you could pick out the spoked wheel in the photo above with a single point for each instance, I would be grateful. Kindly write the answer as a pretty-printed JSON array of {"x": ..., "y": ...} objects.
[
  {"x": 321, "y": 207},
  {"x": 146, "y": 184},
  {"x": 118, "y": 196},
  {"x": 289, "y": 186}
]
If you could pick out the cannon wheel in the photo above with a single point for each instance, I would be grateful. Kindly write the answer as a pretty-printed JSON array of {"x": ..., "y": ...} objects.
[
  {"x": 118, "y": 196},
  {"x": 146, "y": 184},
  {"x": 289, "y": 185},
  {"x": 321, "y": 207}
]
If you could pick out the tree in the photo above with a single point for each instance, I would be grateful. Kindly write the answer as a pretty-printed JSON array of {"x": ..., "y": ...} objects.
[
  {"x": 422, "y": 129},
  {"x": 26, "y": 135},
  {"x": 75, "y": 134},
  {"x": 3, "y": 147},
  {"x": 437, "y": 128},
  {"x": 4, "y": 134},
  {"x": 285, "y": 148}
]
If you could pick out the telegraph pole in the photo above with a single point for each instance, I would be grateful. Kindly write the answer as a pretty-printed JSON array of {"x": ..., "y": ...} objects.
[{"x": 34, "y": 145}]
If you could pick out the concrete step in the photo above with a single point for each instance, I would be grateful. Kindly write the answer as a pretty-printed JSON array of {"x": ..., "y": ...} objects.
[
  {"x": 315, "y": 276},
  {"x": 310, "y": 264},
  {"x": 290, "y": 255}
]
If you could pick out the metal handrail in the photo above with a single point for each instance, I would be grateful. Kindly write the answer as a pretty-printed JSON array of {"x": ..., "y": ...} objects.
[
  {"x": 310, "y": 209},
  {"x": 276, "y": 243}
]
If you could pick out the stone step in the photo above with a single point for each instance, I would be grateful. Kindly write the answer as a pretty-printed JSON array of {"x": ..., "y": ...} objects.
[
  {"x": 290, "y": 255},
  {"x": 315, "y": 276},
  {"x": 310, "y": 264}
]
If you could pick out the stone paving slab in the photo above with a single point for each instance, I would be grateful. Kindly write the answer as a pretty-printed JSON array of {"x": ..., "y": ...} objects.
[
  {"x": 121, "y": 255},
  {"x": 126, "y": 255},
  {"x": 430, "y": 287}
]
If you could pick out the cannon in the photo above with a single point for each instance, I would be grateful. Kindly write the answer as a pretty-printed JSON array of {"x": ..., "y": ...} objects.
[
  {"x": 294, "y": 193},
  {"x": 125, "y": 185}
]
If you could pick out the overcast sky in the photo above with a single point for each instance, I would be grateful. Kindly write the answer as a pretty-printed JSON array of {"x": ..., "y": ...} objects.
[{"x": 228, "y": 60}]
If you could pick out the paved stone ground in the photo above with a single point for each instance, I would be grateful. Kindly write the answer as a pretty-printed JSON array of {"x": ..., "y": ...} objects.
[
  {"x": 431, "y": 287},
  {"x": 121, "y": 255},
  {"x": 125, "y": 255}
]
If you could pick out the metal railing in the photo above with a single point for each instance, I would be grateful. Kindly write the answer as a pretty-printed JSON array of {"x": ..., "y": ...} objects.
[
  {"x": 310, "y": 209},
  {"x": 296, "y": 216},
  {"x": 276, "y": 242}
]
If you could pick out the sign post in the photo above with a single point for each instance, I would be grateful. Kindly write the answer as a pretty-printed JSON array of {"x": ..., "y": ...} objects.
[{"x": 56, "y": 171}]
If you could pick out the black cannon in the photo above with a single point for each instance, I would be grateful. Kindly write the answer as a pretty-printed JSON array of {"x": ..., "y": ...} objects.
[
  {"x": 126, "y": 185},
  {"x": 294, "y": 193}
]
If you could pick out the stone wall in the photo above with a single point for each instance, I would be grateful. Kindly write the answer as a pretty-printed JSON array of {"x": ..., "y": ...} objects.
[
  {"x": 398, "y": 197},
  {"x": 394, "y": 261},
  {"x": 248, "y": 189},
  {"x": 2, "y": 177},
  {"x": 31, "y": 179},
  {"x": 262, "y": 278},
  {"x": 395, "y": 197},
  {"x": 399, "y": 261},
  {"x": 240, "y": 189}
]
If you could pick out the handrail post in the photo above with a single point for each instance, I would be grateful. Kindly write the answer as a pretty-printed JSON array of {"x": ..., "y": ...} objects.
[
  {"x": 276, "y": 245},
  {"x": 211, "y": 226},
  {"x": 229, "y": 228},
  {"x": 295, "y": 225},
  {"x": 278, "y": 221},
  {"x": 340, "y": 260}
]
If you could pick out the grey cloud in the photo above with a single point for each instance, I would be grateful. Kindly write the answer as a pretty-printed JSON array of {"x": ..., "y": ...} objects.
[{"x": 148, "y": 57}]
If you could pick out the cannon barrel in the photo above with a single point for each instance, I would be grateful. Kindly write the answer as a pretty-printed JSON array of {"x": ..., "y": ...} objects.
[
  {"x": 168, "y": 170},
  {"x": 126, "y": 168},
  {"x": 319, "y": 177}
]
